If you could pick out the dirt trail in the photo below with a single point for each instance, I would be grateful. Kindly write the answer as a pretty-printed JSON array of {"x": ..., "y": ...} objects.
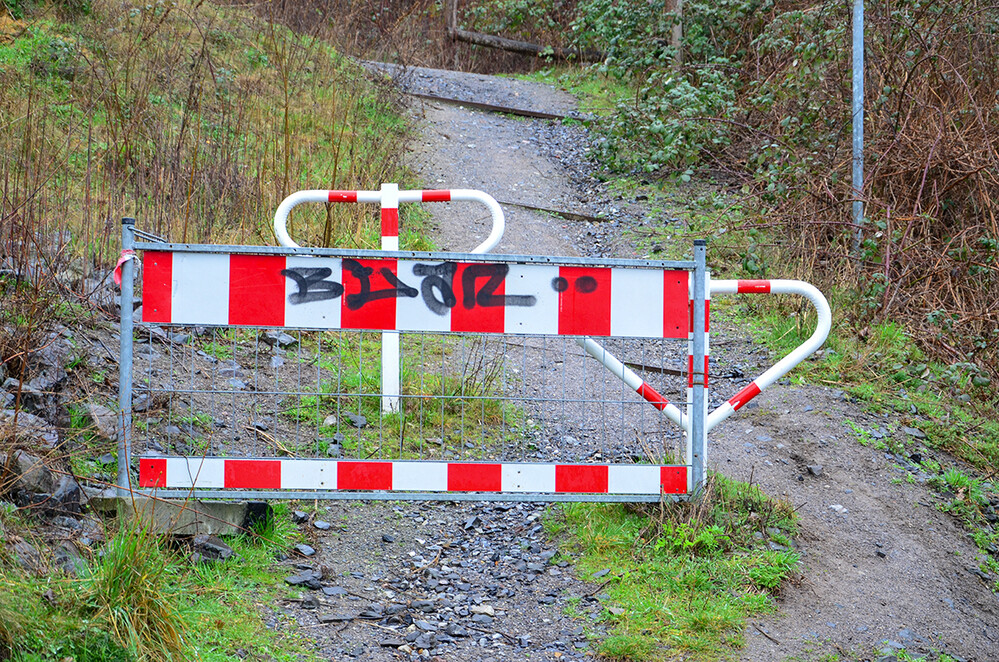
[{"x": 880, "y": 563}]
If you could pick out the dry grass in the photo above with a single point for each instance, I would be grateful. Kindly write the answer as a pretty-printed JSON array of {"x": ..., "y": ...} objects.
[{"x": 194, "y": 118}]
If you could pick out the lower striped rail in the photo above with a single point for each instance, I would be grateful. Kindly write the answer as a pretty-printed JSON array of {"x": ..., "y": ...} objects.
[{"x": 411, "y": 476}]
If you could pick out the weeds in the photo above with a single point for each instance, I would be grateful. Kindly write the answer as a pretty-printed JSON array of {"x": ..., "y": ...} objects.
[
  {"x": 456, "y": 398},
  {"x": 140, "y": 599},
  {"x": 686, "y": 576},
  {"x": 130, "y": 589}
]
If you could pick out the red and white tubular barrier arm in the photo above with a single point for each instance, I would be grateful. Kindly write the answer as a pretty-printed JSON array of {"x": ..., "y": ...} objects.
[
  {"x": 447, "y": 195},
  {"x": 633, "y": 381},
  {"x": 785, "y": 365}
]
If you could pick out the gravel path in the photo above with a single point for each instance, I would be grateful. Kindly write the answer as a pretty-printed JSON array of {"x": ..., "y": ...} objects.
[{"x": 882, "y": 568}]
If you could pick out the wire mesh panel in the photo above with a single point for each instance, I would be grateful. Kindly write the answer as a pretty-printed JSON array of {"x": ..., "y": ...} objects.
[{"x": 498, "y": 399}]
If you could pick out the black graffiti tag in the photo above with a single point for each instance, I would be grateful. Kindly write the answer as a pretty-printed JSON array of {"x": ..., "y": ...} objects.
[
  {"x": 312, "y": 284},
  {"x": 363, "y": 274},
  {"x": 487, "y": 297},
  {"x": 436, "y": 286},
  {"x": 439, "y": 277},
  {"x": 583, "y": 284}
]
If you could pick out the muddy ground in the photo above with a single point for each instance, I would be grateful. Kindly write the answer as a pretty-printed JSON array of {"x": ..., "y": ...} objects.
[{"x": 882, "y": 569}]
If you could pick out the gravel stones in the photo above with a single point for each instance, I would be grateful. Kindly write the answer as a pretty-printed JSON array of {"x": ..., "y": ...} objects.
[
  {"x": 209, "y": 549},
  {"x": 310, "y": 579},
  {"x": 305, "y": 550}
]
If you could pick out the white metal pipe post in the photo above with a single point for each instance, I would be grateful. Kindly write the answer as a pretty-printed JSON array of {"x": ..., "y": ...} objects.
[
  {"x": 391, "y": 388},
  {"x": 389, "y": 198}
]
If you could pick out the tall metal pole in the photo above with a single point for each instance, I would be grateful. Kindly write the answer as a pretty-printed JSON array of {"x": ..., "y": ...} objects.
[
  {"x": 125, "y": 361},
  {"x": 858, "y": 122},
  {"x": 698, "y": 409}
]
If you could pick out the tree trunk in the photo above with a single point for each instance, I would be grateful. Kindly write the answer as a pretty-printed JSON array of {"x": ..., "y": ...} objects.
[{"x": 524, "y": 47}]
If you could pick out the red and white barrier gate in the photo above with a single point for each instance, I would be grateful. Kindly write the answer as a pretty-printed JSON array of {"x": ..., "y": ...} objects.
[{"x": 436, "y": 293}]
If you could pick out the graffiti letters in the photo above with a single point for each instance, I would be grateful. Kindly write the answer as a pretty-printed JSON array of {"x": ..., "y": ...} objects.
[{"x": 481, "y": 285}]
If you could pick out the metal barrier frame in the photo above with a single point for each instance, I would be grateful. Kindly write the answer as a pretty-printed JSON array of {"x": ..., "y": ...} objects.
[
  {"x": 695, "y": 421},
  {"x": 694, "y": 462}
]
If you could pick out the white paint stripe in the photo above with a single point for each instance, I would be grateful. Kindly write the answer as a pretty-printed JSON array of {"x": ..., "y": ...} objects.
[
  {"x": 633, "y": 479},
  {"x": 200, "y": 289},
  {"x": 528, "y": 478},
  {"x": 308, "y": 474},
  {"x": 313, "y": 314},
  {"x": 419, "y": 476},
  {"x": 536, "y": 281},
  {"x": 413, "y": 313},
  {"x": 188, "y": 471},
  {"x": 636, "y": 303}
]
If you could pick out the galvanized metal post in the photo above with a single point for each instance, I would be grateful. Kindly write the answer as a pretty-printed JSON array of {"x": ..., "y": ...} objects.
[
  {"x": 125, "y": 360},
  {"x": 698, "y": 429},
  {"x": 858, "y": 122}
]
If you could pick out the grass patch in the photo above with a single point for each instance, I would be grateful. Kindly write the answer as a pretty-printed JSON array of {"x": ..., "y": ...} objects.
[
  {"x": 451, "y": 393},
  {"x": 142, "y": 599},
  {"x": 598, "y": 93},
  {"x": 883, "y": 367},
  {"x": 685, "y": 577}
]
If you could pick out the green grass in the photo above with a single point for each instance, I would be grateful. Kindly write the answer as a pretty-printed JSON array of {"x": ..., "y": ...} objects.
[
  {"x": 598, "y": 94},
  {"x": 457, "y": 401},
  {"x": 143, "y": 600},
  {"x": 884, "y": 369},
  {"x": 685, "y": 577}
]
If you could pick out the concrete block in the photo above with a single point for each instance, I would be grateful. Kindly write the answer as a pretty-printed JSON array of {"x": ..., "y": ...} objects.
[{"x": 184, "y": 517}]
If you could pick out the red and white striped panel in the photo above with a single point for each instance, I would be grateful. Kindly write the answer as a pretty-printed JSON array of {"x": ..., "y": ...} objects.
[
  {"x": 410, "y": 476},
  {"x": 406, "y": 295}
]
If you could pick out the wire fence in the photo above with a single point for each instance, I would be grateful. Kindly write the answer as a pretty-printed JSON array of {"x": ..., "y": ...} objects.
[
  {"x": 219, "y": 392},
  {"x": 259, "y": 369}
]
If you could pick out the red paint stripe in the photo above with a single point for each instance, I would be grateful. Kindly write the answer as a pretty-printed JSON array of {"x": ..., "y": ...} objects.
[
  {"x": 465, "y": 477},
  {"x": 390, "y": 221},
  {"x": 256, "y": 290},
  {"x": 358, "y": 312},
  {"x": 157, "y": 286},
  {"x": 363, "y": 475},
  {"x": 690, "y": 371},
  {"x": 753, "y": 287},
  {"x": 653, "y": 396},
  {"x": 690, "y": 315},
  {"x": 343, "y": 196},
  {"x": 436, "y": 196},
  {"x": 152, "y": 472},
  {"x": 477, "y": 309},
  {"x": 584, "y": 304},
  {"x": 581, "y": 478},
  {"x": 676, "y": 300},
  {"x": 255, "y": 474},
  {"x": 744, "y": 396},
  {"x": 673, "y": 480}
]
